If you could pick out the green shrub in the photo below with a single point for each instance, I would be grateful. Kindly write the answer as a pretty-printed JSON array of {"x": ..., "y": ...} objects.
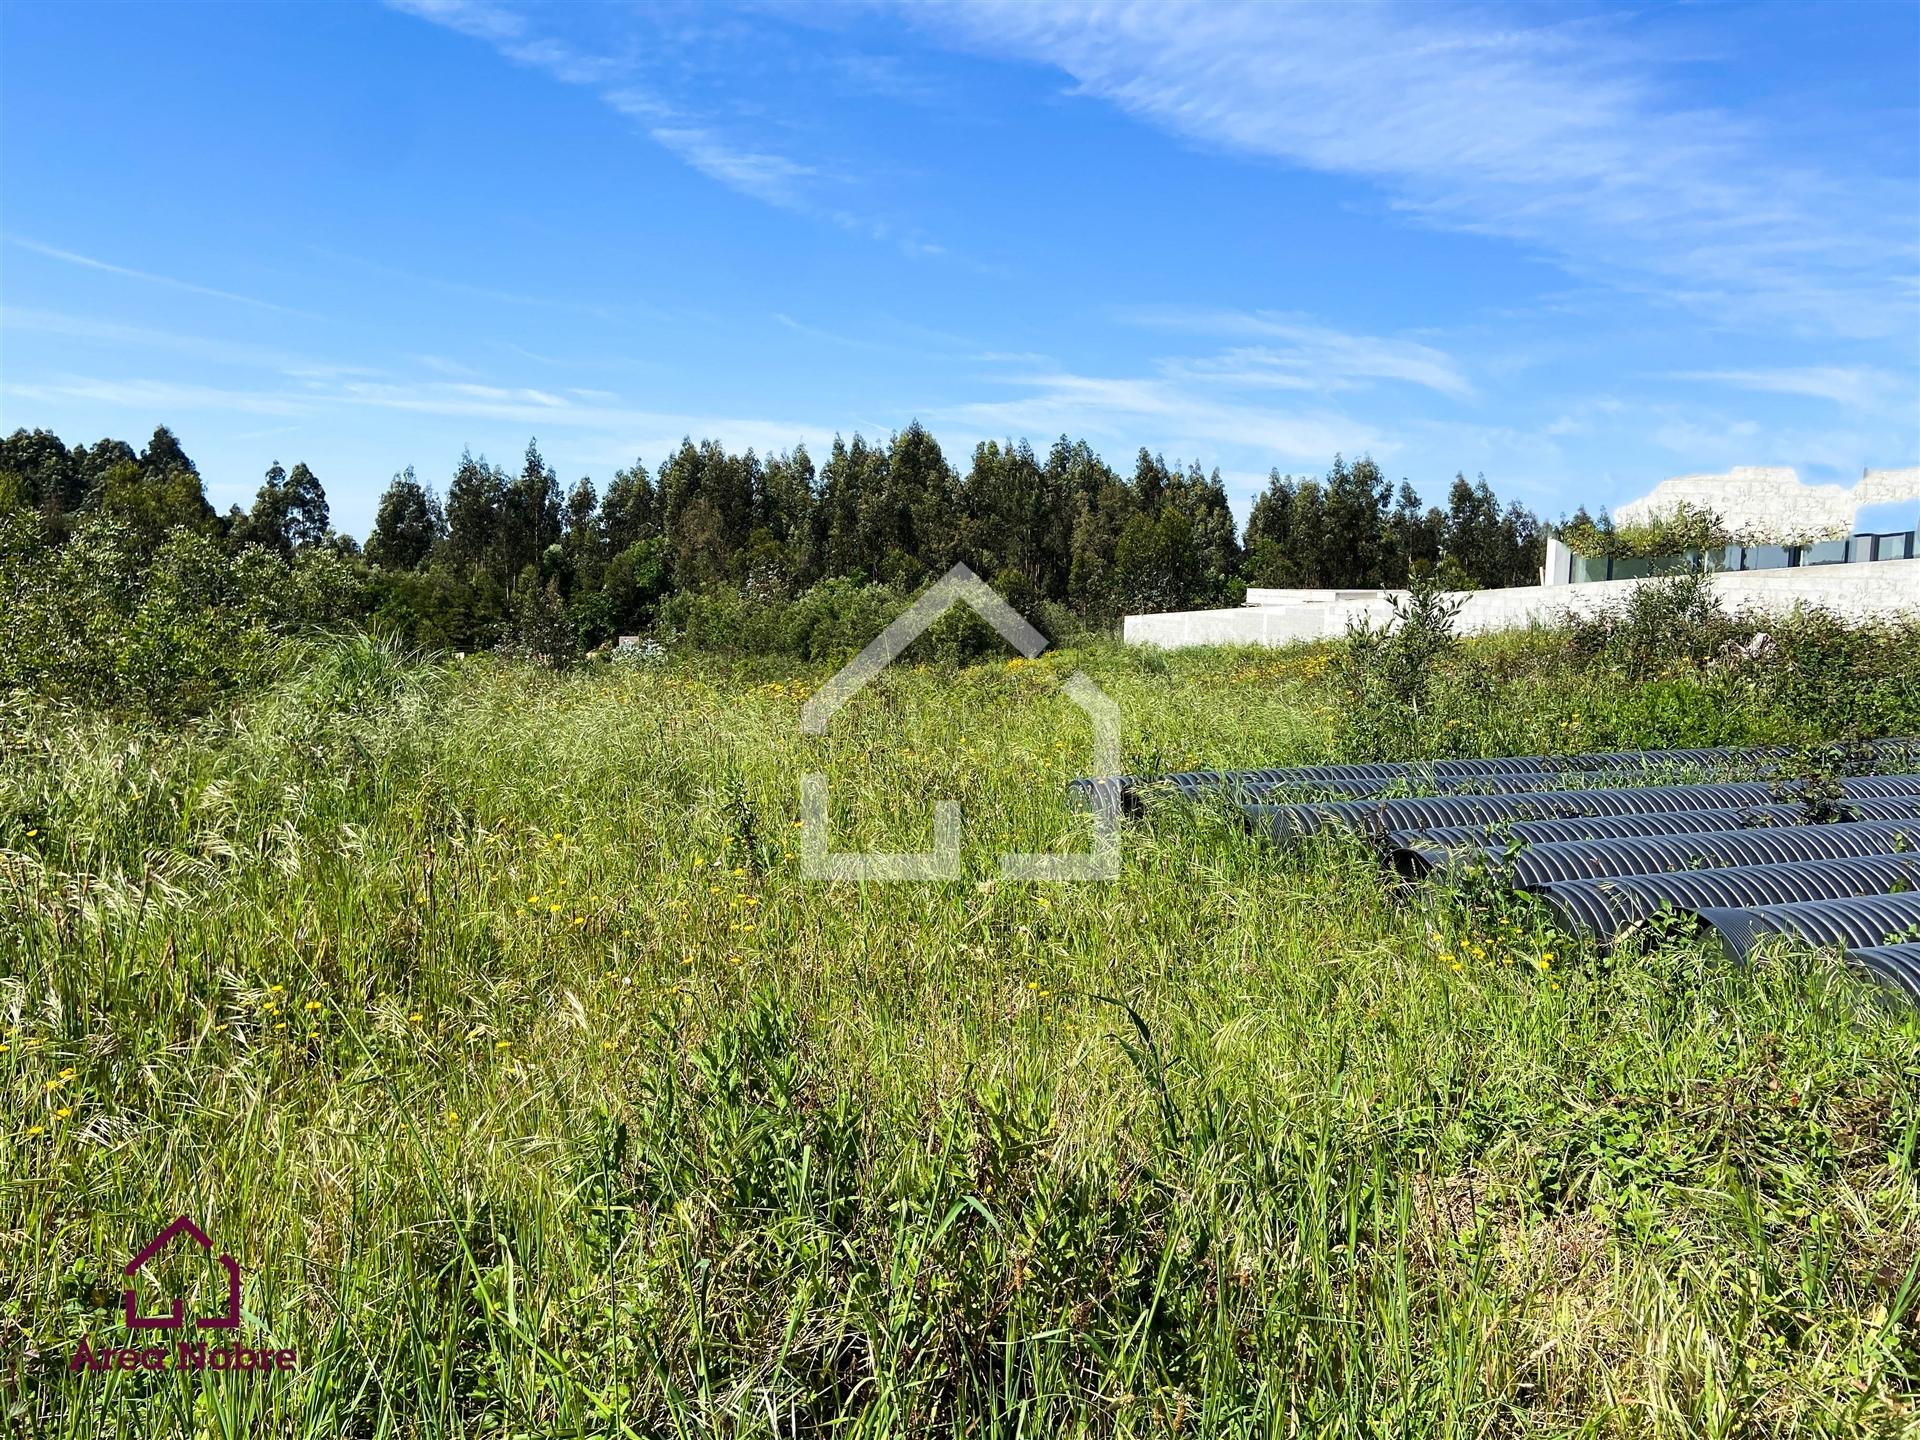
[
  {"x": 1675, "y": 621},
  {"x": 1388, "y": 674},
  {"x": 105, "y": 621}
]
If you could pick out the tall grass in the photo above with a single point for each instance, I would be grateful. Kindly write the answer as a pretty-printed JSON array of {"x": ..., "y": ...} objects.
[{"x": 483, "y": 1015}]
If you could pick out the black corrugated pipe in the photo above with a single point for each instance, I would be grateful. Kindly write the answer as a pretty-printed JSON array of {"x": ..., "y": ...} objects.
[
  {"x": 1902, "y": 751},
  {"x": 1541, "y": 865},
  {"x": 1379, "y": 817},
  {"x": 1894, "y": 965},
  {"x": 1606, "y": 908},
  {"x": 1524, "y": 783},
  {"x": 1870, "y": 921},
  {"x": 1610, "y": 827},
  {"x": 1606, "y": 827}
]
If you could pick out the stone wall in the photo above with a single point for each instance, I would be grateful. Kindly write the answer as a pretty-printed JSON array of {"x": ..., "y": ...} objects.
[{"x": 1769, "y": 505}]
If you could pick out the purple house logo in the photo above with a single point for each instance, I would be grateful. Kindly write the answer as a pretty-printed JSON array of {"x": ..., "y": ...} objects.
[{"x": 173, "y": 1320}]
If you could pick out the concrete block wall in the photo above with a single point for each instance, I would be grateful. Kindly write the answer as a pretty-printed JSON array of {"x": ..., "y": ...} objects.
[{"x": 1288, "y": 617}]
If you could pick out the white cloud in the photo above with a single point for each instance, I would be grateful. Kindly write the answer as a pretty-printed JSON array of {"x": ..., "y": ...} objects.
[
  {"x": 1860, "y": 387},
  {"x": 1557, "y": 134},
  {"x": 753, "y": 170},
  {"x": 604, "y": 426},
  {"x": 760, "y": 174},
  {"x": 88, "y": 262},
  {"x": 1308, "y": 356},
  {"x": 1165, "y": 414}
]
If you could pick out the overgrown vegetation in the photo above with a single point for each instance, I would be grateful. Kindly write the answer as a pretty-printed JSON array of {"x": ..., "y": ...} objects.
[
  {"x": 481, "y": 1011},
  {"x": 1674, "y": 534}
]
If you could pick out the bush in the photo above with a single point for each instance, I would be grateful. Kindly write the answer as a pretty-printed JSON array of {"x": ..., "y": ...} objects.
[
  {"x": 834, "y": 620},
  {"x": 1664, "y": 624},
  {"x": 107, "y": 621},
  {"x": 1388, "y": 674}
]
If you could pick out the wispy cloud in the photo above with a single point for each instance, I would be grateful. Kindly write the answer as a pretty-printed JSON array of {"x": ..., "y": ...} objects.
[
  {"x": 118, "y": 337},
  {"x": 764, "y": 176},
  {"x": 592, "y": 422},
  {"x": 1558, "y": 135},
  {"x": 754, "y": 169},
  {"x": 1859, "y": 387},
  {"x": 1165, "y": 413},
  {"x": 508, "y": 32},
  {"x": 1303, "y": 355},
  {"x": 105, "y": 267}
]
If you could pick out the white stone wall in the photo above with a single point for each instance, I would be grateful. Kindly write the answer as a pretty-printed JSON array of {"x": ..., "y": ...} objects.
[
  {"x": 1286, "y": 617},
  {"x": 1769, "y": 505}
]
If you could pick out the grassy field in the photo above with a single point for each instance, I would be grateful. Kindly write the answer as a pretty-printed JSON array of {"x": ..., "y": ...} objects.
[{"x": 483, "y": 1015}]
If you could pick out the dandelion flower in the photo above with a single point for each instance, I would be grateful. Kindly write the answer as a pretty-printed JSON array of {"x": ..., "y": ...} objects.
[
  {"x": 53, "y": 1085},
  {"x": 553, "y": 909},
  {"x": 416, "y": 1017},
  {"x": 68, "y": 1073},
  {"x": 503, "y": 1044},
  {"x": 315, "y": 1005},
  {"x": 62, "y": 1113},
  {"x": 36, "y": 1129}
]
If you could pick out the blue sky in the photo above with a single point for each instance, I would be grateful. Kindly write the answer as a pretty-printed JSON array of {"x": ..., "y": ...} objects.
[{"x": 1575, "y": 248}]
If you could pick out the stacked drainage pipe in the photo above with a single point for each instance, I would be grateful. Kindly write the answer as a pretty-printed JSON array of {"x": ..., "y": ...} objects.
[
  {"x": 1895, "y": 965},
  {"x": 1541, "y": 865},
  {"x": 1381, "y": 817},
  {"x": 1901, "y": 752},
  {"x": 1863, "y": 920},
  {"x": 1607, "y": 908},
  {"x": 1670, "y": 822},
  {"x": 1878, "y": 932},
  {"x": 1821, "y": 862}
]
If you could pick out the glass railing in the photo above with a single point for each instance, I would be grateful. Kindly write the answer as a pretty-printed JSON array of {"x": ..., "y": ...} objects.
[{"x": 1856, "y": 549}]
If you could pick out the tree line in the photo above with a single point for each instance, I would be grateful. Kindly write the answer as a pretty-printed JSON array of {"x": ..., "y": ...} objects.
[{"x": 505, "y": 552}]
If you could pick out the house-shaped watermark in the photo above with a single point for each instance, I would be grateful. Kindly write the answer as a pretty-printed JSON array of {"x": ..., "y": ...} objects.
[
  {"x": 959, "y": 586},
  {"x": 173, "y": 1320}
]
